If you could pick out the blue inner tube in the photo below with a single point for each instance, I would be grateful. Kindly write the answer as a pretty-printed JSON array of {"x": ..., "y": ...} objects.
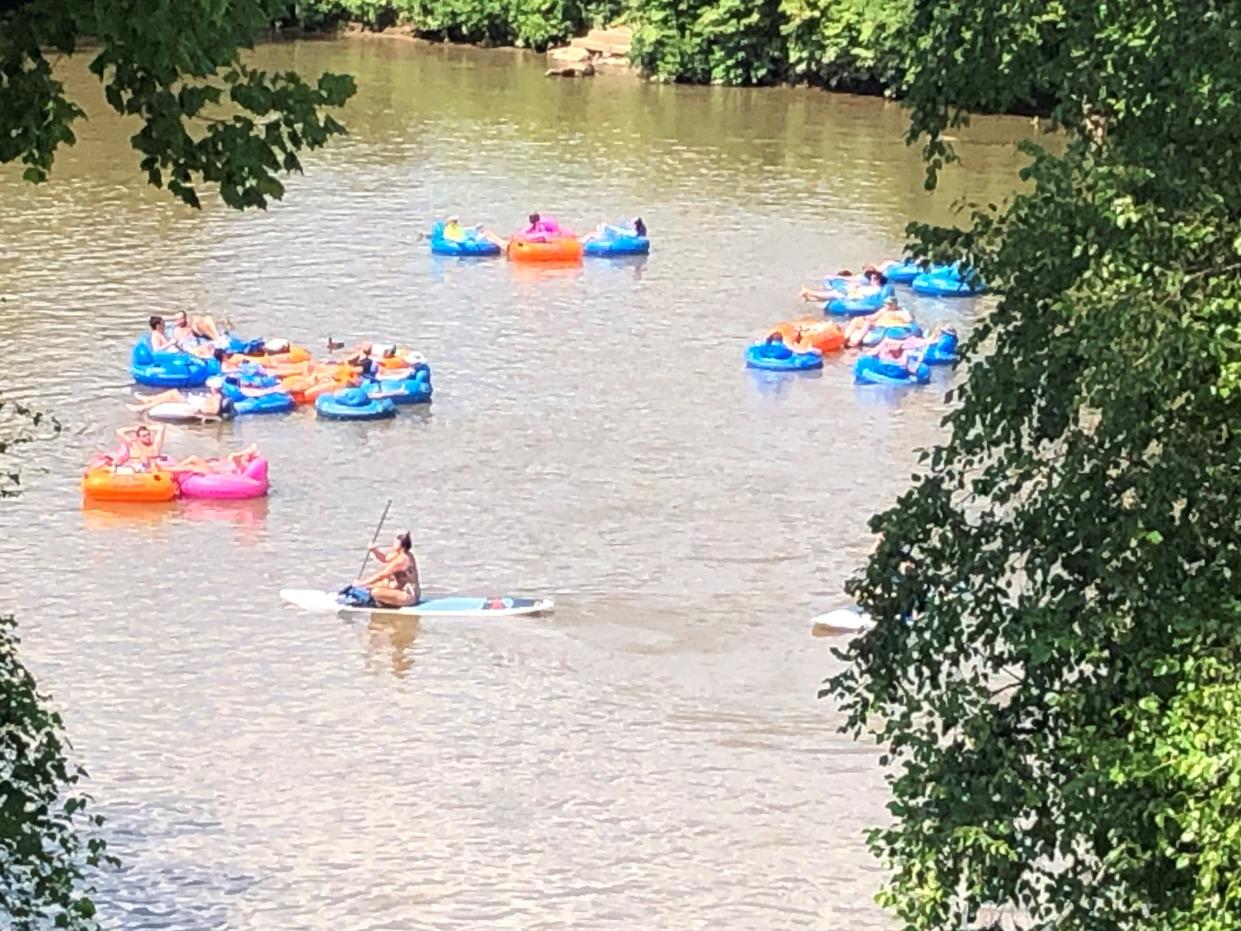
[
  {"x": 943, "y": 351},
  {"x": 777, "y": 357},
  {"x": 946, "y": 281},
  {"x": 246, "y": 347},
  {"x": 253, "y": 375},
  {"x": 413, "y": 390},
  {"x": 616, "y": 244},
  {"x": 859, "y": 306},
  {"x": 169, "y": 369},
  {"x": 877, "y": 334},
  {"x": 903, "y": 273},
  {"x": 353, "y": 404},
  {"x": 472, "y": 246},
  {"x": 275, "y": 403},
  {"x": 871, "y": 370}
]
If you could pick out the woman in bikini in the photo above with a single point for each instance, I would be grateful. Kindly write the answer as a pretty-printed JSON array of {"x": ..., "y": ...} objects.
[
  {"x": 396, "y": 584},
  {"x": 212, "y": 405}
]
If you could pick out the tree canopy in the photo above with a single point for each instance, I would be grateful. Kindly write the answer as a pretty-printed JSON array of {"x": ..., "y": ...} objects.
[
  {"x": 205, "y": 116},
  {"x": 1056, "y": 671}
]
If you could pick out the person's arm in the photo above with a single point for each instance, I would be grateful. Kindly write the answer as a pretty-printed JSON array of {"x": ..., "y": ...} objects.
[
  {"x": 378, "y": 552},
  {"x": 384, "y": 573},
  {"x": 157, "y": 440}
]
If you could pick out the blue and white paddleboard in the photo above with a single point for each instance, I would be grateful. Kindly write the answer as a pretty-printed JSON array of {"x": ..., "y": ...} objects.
[{"x": 312, "y": 600}]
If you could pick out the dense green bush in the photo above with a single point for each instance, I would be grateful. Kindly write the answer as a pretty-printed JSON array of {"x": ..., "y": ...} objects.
[
  {"x": 527, "y": 23},
  {"x": 852, "y": 44},
  {"x": 708, "y": 41},
  {"x": 855, "y": 44}
]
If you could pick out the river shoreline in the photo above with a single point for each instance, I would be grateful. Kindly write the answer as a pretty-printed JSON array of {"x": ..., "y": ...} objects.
[
  {"x": 857, "y": 87},
  {"x": 407, "y": 33}
]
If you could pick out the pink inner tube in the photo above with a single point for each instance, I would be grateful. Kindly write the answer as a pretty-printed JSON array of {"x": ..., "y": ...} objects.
[
  {"x": 546, "y": 228},
  {"x": 229, "y": 486}
]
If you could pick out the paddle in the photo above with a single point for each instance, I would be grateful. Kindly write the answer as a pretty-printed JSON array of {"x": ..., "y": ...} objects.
[{"x": 378, "y": 529}]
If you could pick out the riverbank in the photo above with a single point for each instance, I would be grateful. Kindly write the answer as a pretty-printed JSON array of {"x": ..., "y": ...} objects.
[
  {"x": 603, "y": 51},
  {"x": 866, "y": 47},
  {"x": 853, "y": 46}
]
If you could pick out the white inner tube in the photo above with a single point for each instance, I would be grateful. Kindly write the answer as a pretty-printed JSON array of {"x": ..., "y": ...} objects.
[
  {"x": 176, "y": 412},
  {"x": 851, "y": 620}
]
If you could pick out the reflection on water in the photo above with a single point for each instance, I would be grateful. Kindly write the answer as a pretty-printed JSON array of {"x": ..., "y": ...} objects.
[
  {"x": 389, "y": 639},
  {"x": 655, "y": 748}
]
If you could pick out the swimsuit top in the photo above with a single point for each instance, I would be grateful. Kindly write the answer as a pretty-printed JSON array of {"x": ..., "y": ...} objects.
[{"x": 403, "y": 577}]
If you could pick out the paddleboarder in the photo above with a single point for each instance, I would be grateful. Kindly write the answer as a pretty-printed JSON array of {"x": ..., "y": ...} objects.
[{"x": 396, "y": 584}]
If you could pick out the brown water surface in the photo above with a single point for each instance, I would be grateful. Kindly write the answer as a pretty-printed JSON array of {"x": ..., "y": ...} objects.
[{"x": 653, "y": 756}]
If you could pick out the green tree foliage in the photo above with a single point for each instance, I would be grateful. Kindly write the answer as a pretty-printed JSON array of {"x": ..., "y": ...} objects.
[
  {"x": 46, "y": 834},
  {"x": 709, "y": 41},
  {"x": 534, "y": 23},
  {"x": 1056, "y": 670},
  {"x": 43, "y": 855},
  {"x": 204, "y": 115},
  {"x": 525, "y": 23},
  {"x": 850, "y": 44},
  {"x": 854, "y": 44}
]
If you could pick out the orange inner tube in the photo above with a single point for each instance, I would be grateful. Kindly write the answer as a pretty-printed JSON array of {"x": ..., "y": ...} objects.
[
  {"x": 398, "y": 361},
  {"x": 811, "y": 333},
  {"x": 295, "y": 355},
  {"x": 554, "y": 249},
  {"x": 106, "y": 485},
  {"x": 319, "y": 388}
]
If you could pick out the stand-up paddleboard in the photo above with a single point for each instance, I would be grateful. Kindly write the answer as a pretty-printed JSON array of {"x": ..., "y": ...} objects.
[
  {"x": 850, "y": 620},
  {"x": 312, "y": 600}
]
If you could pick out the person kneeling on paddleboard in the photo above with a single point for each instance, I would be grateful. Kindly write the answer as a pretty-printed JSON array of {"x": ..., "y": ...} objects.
[{"x": 396, "y": 584}]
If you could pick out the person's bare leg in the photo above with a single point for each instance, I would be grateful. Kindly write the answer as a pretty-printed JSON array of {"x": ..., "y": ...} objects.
[
  {"x": 392, "y": 597},
  {"x": 164, "y": 397},
  {"x": 196, "y": 464},
  {"x": 205, "y": 326},
  {"x": 243, "y": 457}
]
